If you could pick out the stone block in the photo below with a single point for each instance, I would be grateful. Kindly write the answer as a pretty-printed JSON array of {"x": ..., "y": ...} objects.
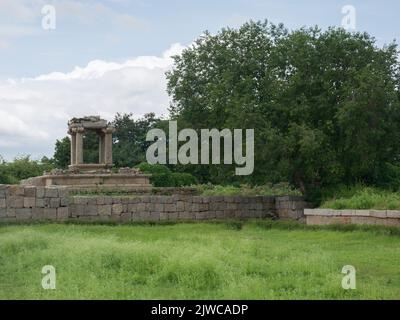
[
  {"x": 3, "y": 212},
  {"x": 136, "y": 216},
  {"x": 126, "y": 216},
  {"x": 42, "y": 202},
  {"x": 125, "y": 200},
  {"x": 23, "y": 214},
  {"x": 10, "y": 212},
  {"x": 116, "y": 200},
  {"x": 197, "y": 199},
  {"x": 3, "y": 203},
  {"x": 180, "y": 206},
  {"x": 30, "y": 192},
  {"x": 219, "y": 214},
  {"x": 64, "y": 202},
  {"x": 37, "y": 213},
  {"x": 361, "y": 213},
  {"x": 54, "y": 203},
  {"x": 201, "y": 216},
  {"x": 29, "y": 202},
  {"x": 206, "y": 199},
  {"x": 50, "y": 213},
  {"x": 51, "y": 192},
  {"x": 154, "y": 216},
  {"x": 344, "y": 212},
  {"x": 108, "y": 200},
  {"x": 105, "y": 210},
  {"x": 393, "y": 214},
  {"x": 4, "y": 191},
  {"x": 170, "y": 207},
  {"x": 172, "y": 215},
  {"x": 160, "y": 207},
  {"x": 63, "y": 192},
  {"x": 117, "y": 209},
  {"x": 16, "y": 190},
  {"x": 40, "y": 192},
  {"x": 16, "y": 202},
  {"x": 164, "y": 216},
  {"x": 100, "y": 200},
  {"x": 141, "y": 207},
  {"x": 80, "y": 200},
  {"x": 363, "y": 220},
  {"x": 62, "y": 213},
  {"x": 187, "y": 215},
  {"x": 378, "y": 213},
  {"x": 132, "y": 207},
  {"x": 392, "y": 222},
  {"x": 91, "y": 210}
]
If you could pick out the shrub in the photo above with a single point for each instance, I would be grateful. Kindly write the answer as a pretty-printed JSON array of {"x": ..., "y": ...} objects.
[
  {"x": 362, "y": 197},
  {"x": 280, "y": 189},
  {"x": 22, "y": 168},
  {"x": 163, "y": 177}
]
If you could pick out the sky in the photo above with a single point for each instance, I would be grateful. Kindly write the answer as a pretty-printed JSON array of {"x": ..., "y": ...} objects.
[{"x": 104, "y": 57}]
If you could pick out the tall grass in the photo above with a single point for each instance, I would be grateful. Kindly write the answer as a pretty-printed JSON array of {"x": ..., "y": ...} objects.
[
  {"x": 362, "y": 197},
  {"x": 225, "y": 260},
  {"x": 280, "y": 189}
]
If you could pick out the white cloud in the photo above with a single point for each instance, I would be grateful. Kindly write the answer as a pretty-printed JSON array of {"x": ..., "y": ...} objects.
[{"x": 34, "y": 111}]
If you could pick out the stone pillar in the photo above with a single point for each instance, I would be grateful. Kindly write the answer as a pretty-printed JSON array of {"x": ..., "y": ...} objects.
[
  {"x": 79, "y": 146},
  {"x": 108, "y": 159},
  {"x": 101, "y": 148},
  {"x": 73, "y": 148}
]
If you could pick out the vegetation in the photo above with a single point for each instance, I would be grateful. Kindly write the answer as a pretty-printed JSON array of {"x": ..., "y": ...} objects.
[
  {"x": 225, "y": 260},
  {"x": 162, "y": 176},
  {"x": 22, "y": 168},
  {"x": 279, "y": 189},
  {"x": 324, "y": 104},
  {"x": 362, "y": 197},
  {"x": 129, "y": 142}
]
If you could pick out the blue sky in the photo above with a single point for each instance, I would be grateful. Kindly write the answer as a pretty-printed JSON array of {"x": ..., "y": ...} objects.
[
  {"x": 111, "y": 55},
  {"x": 85, "y": 31}
]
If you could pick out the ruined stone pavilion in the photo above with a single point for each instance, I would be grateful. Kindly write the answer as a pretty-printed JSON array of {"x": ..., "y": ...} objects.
[{"x": 91, "y": 175}]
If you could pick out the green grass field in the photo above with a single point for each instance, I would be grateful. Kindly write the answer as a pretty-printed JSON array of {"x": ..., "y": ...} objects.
[{"x": 229, "y": 260}]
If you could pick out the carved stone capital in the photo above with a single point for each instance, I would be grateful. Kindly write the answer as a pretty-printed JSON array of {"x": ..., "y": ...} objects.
[{"x": 108, "y": 130}]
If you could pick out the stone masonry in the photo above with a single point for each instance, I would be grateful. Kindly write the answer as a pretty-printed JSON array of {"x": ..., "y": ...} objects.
[
  {"x": 349, "y": 216},
  {"x": 56, "y": 203}
]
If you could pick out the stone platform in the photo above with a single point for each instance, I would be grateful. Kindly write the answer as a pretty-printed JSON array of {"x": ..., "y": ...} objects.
[{"x": 90, "y": 180}]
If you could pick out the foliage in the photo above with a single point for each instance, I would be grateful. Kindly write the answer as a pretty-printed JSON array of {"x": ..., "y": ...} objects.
[
  {"x": 362, "y": 197},
  {"x": 324, "y": 104},
  {"x": 130, "y": 143},
  {"x": 23, "y": 168},
  {"x": 62, "y": 153},
  {"x": 162, "y": 176},
  {"x": 280, "y": 189},
  {"x": 225, "y": 260}
]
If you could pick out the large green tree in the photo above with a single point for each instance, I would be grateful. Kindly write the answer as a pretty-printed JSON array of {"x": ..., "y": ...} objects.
[{"x": 324, "y": 104}]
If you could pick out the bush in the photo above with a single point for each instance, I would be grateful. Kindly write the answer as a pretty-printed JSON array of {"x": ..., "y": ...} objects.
[
  {"x": 163, "y": 177},
  {"x": 362, "y": 197},
  {"x": 153, "y": 168},
  {"x": 22, "y": 168},
  {"x": 279, "y": 189}
]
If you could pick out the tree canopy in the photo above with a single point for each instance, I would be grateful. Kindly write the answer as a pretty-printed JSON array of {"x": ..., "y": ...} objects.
[{"x": 324, "y": 104}]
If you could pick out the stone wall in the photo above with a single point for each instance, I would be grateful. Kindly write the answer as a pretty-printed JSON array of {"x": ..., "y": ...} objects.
[
  {"x": 58, "y": 203},
  {"x": 37, "y": 203},
  {"x": 371, "y": 217}
]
